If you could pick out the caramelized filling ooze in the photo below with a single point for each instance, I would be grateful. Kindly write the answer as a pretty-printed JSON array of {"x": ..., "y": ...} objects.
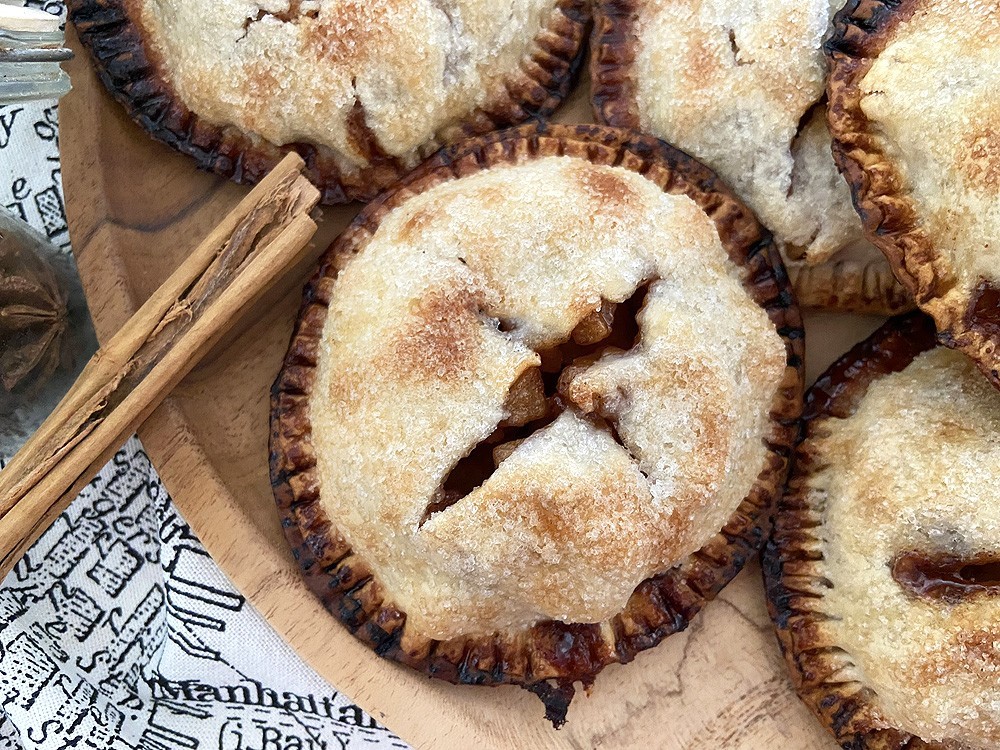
[
  {"x": 947, "y": 577},
  {"x": 534, "y": 399},
  {"x": 984, "y": 308}
]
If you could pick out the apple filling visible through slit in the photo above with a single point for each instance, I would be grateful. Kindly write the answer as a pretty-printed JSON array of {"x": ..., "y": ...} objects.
[{"x": 539, "y": 395}]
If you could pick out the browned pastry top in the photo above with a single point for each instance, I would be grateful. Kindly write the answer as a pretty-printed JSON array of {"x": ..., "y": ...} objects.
[
  {"x": 363, "y": 89},
  {"x": 915, "y": 112},
  {"x": 552, "y": 378},
  {"x": 884, "y": 574},
  {"x": 448, "y": 304},
  {"x": 739, "y": 86},
  {"x": 296, "y": 72}
]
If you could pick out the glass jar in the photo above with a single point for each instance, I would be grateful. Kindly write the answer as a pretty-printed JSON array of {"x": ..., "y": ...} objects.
[
  {"x": 32, "y": 45},
  {"x": 46, "y": 335}
]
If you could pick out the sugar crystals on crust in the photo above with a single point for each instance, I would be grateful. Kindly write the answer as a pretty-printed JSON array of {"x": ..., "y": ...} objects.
[
  {"x": 883, "y": 573},
  {"x": 740, "y": 86},
  {"x": 537, "y": 406},
  {"x": 915, "y": 111},
  {"x": 363, "y": 89}
]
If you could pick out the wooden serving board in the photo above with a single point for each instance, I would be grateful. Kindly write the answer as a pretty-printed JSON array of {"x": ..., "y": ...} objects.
[{"x": 135, "y": 208}]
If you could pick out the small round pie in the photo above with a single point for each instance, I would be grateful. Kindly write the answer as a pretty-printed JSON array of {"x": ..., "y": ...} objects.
[
  {"x": 915, "y": 116},
  {"x": 741, "y": 88},
  {"x": 883, "y": 571},
  {"x": 537, "y": 407},
  {"x": 362, "y": 89}
]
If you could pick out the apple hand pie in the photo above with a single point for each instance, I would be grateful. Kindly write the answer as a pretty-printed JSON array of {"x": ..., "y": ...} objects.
[
  {"x": 739, "y": 85},
  {"x": 362, "y": 89},
  {"x": 537, "y": 406},
  {"x": 915, "y": 115},
  {"x": 883, "y": 573}
]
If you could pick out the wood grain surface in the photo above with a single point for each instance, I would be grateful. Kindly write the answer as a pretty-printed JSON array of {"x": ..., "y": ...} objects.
[{"x": 135, "y": 209}]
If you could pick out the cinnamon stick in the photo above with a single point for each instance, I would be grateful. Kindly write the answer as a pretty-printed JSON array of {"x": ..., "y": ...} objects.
[{"x": 266, "y": 234}]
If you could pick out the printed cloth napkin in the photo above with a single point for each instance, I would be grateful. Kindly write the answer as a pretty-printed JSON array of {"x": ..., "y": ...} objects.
[{"x": 117, "y": 630}]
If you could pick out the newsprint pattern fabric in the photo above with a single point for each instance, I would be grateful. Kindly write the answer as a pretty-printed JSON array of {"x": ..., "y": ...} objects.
[{"x": 116, "y": 629}]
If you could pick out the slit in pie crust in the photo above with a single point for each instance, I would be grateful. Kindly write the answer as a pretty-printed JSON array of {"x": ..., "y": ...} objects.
[
  {"x": 362, "y": 89},
  {"x": 915, "y": 113},
  {"x": 740, "y": 86},
  {"x": 537, "y": 407},
  {"x": 883, "y": 571}
]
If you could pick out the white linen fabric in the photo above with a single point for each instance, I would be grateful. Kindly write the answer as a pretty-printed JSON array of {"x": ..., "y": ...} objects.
[{"x": 117, "y": 630}]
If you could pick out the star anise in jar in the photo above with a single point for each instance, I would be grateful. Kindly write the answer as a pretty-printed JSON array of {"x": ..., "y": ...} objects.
[{"x": 33, "y": 318}]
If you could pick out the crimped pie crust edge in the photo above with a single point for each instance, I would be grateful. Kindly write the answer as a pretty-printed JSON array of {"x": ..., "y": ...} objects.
[
  {"x": 550, "y": 656},
  {"x": 847, "y": 285},
  {"x": 134, "y": 75},
  {"x": 794, "y": 577},
  {"x": 861, "y": 31}
]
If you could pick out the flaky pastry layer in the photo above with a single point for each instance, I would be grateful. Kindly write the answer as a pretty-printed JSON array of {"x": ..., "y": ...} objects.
[
  {"x": 363, "y": 90},
  {"x": 447, "y": 293},
  {"x": 915, "y": 111},
  {"x": 889, "y": 633},
  {"x": 737, "y": 88}
]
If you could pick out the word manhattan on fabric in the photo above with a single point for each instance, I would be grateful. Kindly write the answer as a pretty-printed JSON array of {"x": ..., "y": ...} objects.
[{"x": 256, "y": 694}]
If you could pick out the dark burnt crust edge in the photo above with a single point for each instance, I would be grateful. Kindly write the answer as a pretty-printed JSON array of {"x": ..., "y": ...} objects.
[
  {"x": 613, "y": 43},
  {"x": 133, "y": 73},
  {"x": 860, "y": 31},
  {"x": 549, "y": 657},
  {"x": 792, "y": 561},
  {"x": 890, "y": 217}
]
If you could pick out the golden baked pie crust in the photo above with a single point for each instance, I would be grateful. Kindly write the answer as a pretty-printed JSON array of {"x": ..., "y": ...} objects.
[
  {"x": 135, "y": 75},
  {"x": 863, "y": 286},
  {"x": 794, "y": 570},
  {"x": 862, "y": 29},
  {"x": 550, "y": 656}
]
